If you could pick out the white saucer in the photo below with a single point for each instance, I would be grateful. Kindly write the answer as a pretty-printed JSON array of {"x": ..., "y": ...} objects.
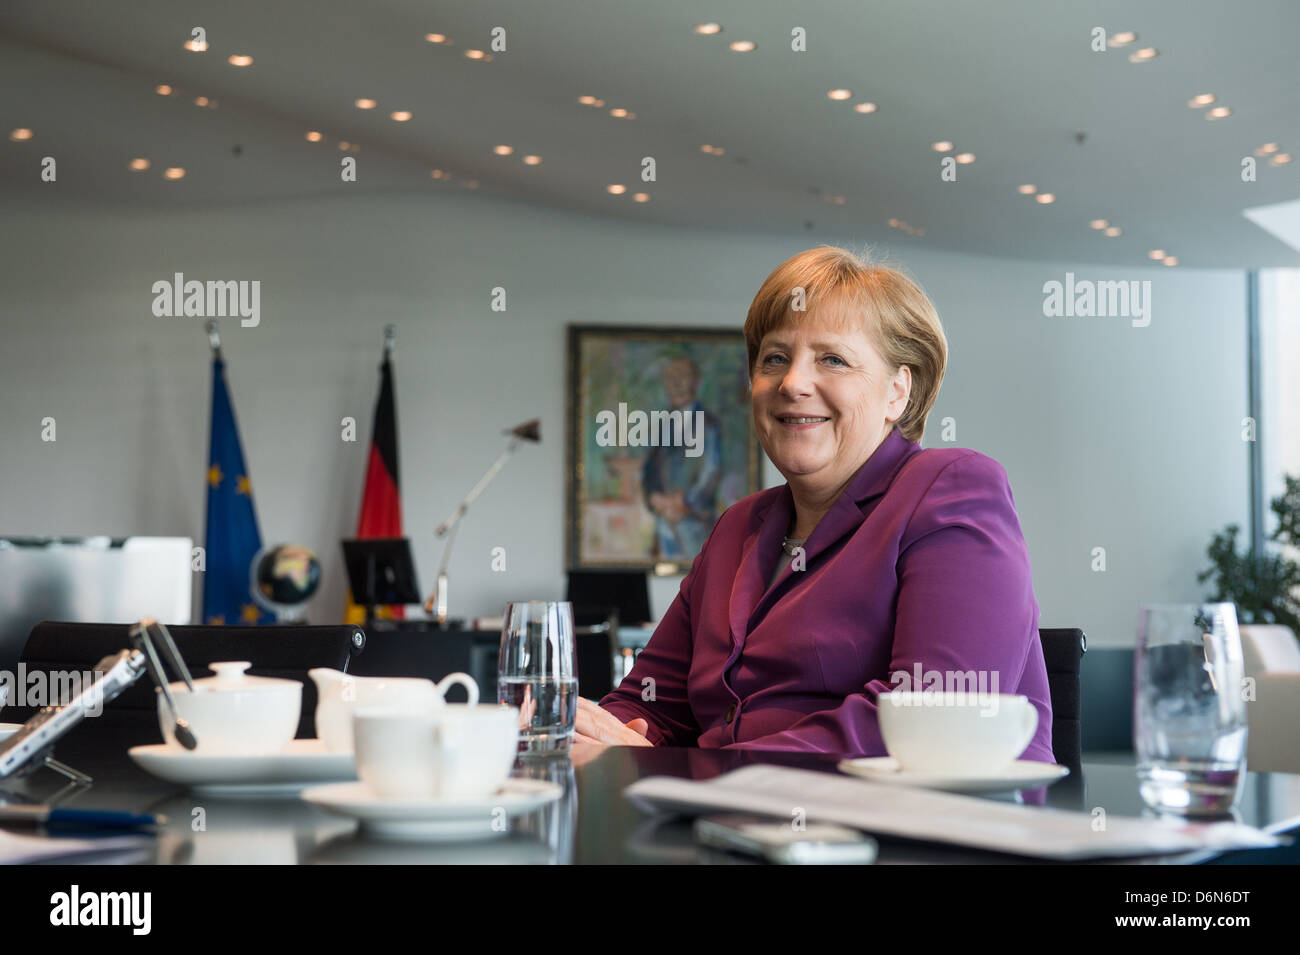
[
  {"x": 304, "y": 763},
  {"x": 1022, "y": 774},
  {"x": 433, "y": 820}
]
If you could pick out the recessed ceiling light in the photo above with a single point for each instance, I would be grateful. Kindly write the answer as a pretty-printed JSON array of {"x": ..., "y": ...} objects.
[
  {"x": 1122, "y": 39},
  {"x": 618, "y": 112},
  {"x": 162, "y": 89},
  {"x": 1143, "y": 55},
  {"x": 840, "y": 94},
  {"x": 365, "y": 104},
  {"x": 532, "y": 160},
  {"x": 707, "y": 29},
  {"x": 641, "y": 197},
  {"x": 436, "y": 173},
  {"x": 503, "y": 150},
  {"x": 1156, "y": 254},
  {"x": 138, "y": 165},
  {"x": 1171, "y": 260},
  {"x": 240, "y": 59},
  {"x": 344, "y": 145},
  {"x": 474, "y": 54},
  {"x": 200, "y": 101},
  {"x": 1266, "y": 149},
  {"x": 893, "y": 223},
  {"x": 1113, "y": 231},
  {"x": 616, "y": 190},
  {"x": 400, "y": 115},
  {"x": 1098, "y": 224},
  {"x": 1205, "y": 99},
  {"x": 587, "y": 100},
  {"x": 965, "y": 158},
  {"x": 436, "y": 37},
  {"x": 1045, "y": 198},
  {"x": 1281, "y": 159},
  {"x": 1026, "y": 189},
  {"x": 174, "y": 172},
  {"x": 865, "y": 107},
  {"x": 20, "y": 134},
  {"x": 1219, "y": 112},
  {"x": 942, "y": 146},
  {"x": 196, "y": 46},
  {"x": 743, "y": 46},
  {"x": 314, "y": 137}
]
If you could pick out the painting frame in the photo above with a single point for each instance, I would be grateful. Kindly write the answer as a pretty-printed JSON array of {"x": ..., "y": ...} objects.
[{"x": 717, "y": 361}]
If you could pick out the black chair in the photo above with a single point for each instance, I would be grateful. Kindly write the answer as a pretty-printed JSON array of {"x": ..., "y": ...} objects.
[
  {"x": 595, "y": 633},
  {"x": 420, "y": 649},
  {"x": 285, "y": 652},
  {"x": 1063, "y": 652}
]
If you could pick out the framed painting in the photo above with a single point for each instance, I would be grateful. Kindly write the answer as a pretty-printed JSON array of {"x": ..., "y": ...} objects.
[{"x": 660, "y": 441}]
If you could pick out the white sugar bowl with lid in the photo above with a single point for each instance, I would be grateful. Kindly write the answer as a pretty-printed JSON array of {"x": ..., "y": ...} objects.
[{"x": 233, "y": 713}]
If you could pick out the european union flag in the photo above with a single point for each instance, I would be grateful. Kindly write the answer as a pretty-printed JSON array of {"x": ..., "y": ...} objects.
[{"x": 232, "y": 535}]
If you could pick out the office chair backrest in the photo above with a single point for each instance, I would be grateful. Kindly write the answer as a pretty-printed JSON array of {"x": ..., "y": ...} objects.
[
  {"x": 285, "y": 652},
  {"x": 1063, "y": 652}
]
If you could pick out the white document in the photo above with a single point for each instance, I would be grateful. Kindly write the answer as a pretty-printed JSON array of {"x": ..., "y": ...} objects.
[
  {"x": 938, "y": 817},
  {"x": 20, "y": 849}
]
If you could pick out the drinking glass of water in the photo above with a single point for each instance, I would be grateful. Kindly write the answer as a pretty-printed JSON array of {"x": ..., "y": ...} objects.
[
  {"x": 1189, "y": 708},
  {"x": 536, "y": 673}
]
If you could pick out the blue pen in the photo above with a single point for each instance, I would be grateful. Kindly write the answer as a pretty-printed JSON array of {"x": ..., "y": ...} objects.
[{"x": 78, "y": 818}]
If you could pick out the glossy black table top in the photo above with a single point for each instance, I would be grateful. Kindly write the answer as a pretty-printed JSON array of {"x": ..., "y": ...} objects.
[{"x": 592, "y": 822}]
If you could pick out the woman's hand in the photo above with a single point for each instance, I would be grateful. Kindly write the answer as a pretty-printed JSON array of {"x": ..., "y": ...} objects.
[{"x": 595, "y": 725}]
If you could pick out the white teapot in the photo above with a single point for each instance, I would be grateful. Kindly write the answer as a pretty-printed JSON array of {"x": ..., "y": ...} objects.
[{"x": 339, "y": 694}]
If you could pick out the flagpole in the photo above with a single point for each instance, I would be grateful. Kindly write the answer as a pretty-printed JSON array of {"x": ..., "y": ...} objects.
[{"x": 214, "y": 339}]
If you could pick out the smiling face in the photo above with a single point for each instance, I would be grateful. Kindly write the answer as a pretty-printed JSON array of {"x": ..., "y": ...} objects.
[{"x": 823, "y": 401}]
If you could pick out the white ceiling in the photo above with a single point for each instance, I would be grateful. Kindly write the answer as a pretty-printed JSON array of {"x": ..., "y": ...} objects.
[{"x": 1013, "y": 81}]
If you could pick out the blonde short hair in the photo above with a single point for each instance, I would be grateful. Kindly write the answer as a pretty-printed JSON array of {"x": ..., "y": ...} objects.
[{"x": 900, "y": 319}]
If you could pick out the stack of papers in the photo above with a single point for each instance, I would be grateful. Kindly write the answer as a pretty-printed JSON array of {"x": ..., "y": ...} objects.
[
  {"x": 16, "y": 849},
  {"x": 939, "y": 817}
]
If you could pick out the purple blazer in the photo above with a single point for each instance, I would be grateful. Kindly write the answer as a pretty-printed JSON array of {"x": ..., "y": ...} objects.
[{"x": 921, "y": 561}]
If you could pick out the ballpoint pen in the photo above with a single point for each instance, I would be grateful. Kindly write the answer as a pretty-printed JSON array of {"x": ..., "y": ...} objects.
[{"x": 77, "y": 818}]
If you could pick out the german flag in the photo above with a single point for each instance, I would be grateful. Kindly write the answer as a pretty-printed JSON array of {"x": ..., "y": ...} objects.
[{"x": 381, "y": 498}]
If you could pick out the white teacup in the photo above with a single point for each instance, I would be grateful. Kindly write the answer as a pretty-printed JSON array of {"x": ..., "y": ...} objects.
[
  {"x": 339, "y": 695},
  {"x": 961, "y": 733},
  {"x": 458, "y": 751}
]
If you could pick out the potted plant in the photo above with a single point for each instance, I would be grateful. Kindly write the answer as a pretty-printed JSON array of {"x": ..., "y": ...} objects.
[{"x": 1264, "y": 587}]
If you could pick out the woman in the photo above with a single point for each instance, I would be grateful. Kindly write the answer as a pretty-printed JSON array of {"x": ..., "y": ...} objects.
[{"x": 875, "y": 559}]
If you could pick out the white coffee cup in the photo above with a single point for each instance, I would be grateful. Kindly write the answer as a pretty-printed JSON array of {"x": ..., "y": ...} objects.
[
  {"x": 339, "y": 695},
  {"x": 458, "y": 751},
  {"x": 957, "y": 733}
]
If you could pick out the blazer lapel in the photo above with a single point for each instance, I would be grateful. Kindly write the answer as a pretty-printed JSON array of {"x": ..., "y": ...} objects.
[
  {"x": 767, "y": 527},
  {"x": 846, "y": 515}
]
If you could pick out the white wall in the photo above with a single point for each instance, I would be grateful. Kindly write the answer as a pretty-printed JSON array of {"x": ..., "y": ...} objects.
[{"x": 1116, "y": 437}]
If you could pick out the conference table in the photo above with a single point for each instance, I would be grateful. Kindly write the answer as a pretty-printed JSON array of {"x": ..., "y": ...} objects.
[{"x": 592, "y": 822}]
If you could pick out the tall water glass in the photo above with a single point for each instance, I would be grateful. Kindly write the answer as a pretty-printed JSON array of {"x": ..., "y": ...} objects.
[
  {"x": 536, "y": 673},
  {"x": 1189, "y": 708}
]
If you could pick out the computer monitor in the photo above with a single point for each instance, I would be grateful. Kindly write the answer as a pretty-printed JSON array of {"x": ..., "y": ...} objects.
[
  {"x": 381, "y": 571},
  {"x": 629, "y": 591},
  {"x": 90, "y": 580}
]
